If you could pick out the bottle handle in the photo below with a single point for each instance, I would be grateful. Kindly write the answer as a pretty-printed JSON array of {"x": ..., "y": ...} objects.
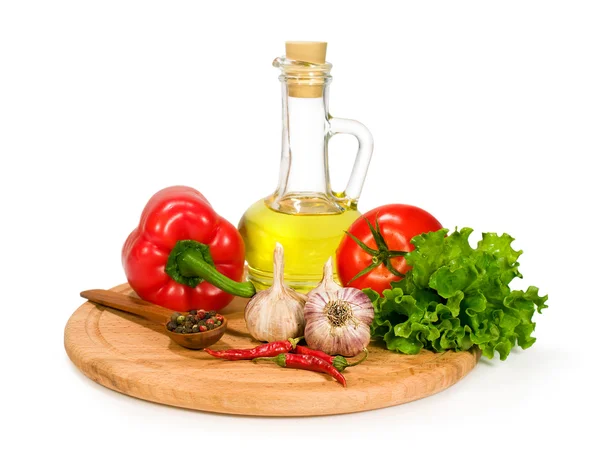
[{"x": 363, "y": 156}]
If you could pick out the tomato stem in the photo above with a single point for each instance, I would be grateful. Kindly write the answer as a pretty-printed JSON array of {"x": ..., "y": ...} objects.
[
  {"x": 362, "y": 245},
  {"x": 381, "y": 256}
]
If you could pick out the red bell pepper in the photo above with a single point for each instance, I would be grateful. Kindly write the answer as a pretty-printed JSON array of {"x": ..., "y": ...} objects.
[{"x": 179, "y": 248}]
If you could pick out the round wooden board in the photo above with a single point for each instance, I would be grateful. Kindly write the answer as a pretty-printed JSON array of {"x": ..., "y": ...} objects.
[{"x": 133, "y": 356}]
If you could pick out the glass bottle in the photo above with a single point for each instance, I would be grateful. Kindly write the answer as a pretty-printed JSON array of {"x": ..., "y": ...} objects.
[{"x": 303, "y": 213}]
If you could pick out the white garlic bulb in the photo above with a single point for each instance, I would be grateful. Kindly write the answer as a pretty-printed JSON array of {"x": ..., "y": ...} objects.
[
  {"x": 327, "y": 282},
  {"x": 276, "y": 313}
]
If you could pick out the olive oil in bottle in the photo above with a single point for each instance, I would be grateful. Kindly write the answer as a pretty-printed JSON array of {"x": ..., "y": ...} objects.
[
  {"x": 308, "y": 240},
  {"x": 304, "y": 214}
]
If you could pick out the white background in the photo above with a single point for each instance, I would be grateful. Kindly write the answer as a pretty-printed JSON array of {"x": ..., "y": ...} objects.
[{"x": 486, "y": 114}]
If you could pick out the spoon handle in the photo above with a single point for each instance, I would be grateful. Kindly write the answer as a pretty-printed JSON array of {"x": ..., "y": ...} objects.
[{"x": 129, "y": 304}]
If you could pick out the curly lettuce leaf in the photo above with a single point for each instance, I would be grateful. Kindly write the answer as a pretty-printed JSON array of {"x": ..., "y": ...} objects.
[{"x": 456, "y": 297}]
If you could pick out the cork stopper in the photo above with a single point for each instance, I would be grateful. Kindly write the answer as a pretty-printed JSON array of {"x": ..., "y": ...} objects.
[{"x": 310, "y": 52}]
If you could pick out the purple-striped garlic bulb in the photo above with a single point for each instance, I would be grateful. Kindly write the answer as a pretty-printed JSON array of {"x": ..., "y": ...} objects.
[{"x": 338, "y": 322}]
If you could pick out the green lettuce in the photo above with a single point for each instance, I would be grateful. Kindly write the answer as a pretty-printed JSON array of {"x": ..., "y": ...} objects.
[{"x": 456, "y": 297}]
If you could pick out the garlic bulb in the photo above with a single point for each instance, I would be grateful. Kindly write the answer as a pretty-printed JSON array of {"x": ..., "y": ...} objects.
[
  {"x": 278, "y": 312},
  {"x": 338, "y": 322},
  {"x": 327, "y": 282}
]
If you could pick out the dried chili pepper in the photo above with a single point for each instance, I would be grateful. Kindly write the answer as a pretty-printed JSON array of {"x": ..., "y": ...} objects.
[
  {"x": 306, "y": 362},
  {"x": 339, "y": 362},
  {"x": 265, "y": 350}
]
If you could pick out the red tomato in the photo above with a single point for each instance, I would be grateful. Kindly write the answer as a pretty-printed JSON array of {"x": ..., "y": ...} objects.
[{"x": 379, "y": 260}]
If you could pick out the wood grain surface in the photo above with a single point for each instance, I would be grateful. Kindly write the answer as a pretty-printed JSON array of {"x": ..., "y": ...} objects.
[{"x": 134, "y": 356}]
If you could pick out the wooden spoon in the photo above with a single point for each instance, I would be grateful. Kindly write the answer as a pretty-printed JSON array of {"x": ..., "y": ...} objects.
[{"x": 157, "y": 314}]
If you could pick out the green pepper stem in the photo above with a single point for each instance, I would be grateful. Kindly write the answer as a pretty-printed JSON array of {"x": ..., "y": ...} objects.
[
  {"x": 191, "y": 263},
  {"x": 366, "y": 354},
  {"x": 279, "y": 359},
  {"x": 295, "y": 341}
]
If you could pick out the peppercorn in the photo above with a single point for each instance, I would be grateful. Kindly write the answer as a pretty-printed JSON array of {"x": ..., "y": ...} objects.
[{"x": 195, "y": 321}]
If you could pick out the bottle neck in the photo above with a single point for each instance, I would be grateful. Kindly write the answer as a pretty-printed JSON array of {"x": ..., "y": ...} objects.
[{"x": 304, "y": 178}]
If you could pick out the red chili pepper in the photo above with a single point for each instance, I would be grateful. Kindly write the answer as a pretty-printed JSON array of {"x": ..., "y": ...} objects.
[
  {"x": 339, "y": 362},
  {"x": 306, "y": 362},
  {"x": 265, "y": 350}
]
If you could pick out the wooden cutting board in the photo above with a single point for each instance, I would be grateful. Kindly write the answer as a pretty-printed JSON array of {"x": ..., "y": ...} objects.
[{"x": 133, "y": 356}]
